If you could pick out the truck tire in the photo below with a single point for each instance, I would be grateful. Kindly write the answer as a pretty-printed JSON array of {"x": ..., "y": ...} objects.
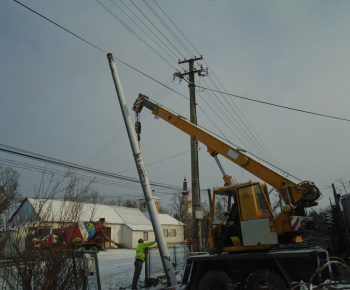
[
  {"x": 214, "y": 280},
  {"x": 265, "y": 279}
]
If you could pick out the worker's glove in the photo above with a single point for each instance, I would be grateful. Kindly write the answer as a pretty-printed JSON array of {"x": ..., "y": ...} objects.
[{"x": 227, "y": 214}]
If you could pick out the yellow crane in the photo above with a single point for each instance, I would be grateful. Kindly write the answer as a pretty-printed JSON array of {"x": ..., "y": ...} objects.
[{"x": 248, "y": 203}]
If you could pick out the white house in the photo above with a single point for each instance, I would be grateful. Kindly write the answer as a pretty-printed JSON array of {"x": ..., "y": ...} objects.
[
  {"x": 124, "y": 225},
  {"x": 173, "y": 229}
]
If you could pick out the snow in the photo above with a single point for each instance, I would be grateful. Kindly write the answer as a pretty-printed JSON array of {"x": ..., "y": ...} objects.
[
  {"x": 117, "y": 269},
  {"x": 165, "y": 219},
  {"x": 59, "y": 210},
  {"x": 134, "y": 219}
]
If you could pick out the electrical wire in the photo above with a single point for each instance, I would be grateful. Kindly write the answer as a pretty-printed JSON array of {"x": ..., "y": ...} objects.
[
  {"x": 201, "y": 87},
  {"x": 167, "y": 27},
  {"x": 155, "y": 162},
  {"x": 46, "y": 159},
  {"x": 176, "y": 27},
  {"x": 240, "y": 125},
  {"x": 143, "y": 30},
  {"x": 98, "y": 48},
  {"x": 275, "y": 105},
  {"x": 156, "y": 28},
  {"x": 159, "y": 95}
]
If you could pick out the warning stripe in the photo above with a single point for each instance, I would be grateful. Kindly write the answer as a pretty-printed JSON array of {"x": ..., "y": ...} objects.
[
  {"x": 137, "y": 103},
  {"x": 296, "y": 223}
]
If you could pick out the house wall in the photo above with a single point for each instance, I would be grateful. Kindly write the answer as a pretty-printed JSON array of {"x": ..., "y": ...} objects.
[
  {"x": 127, "y": 236},
  {"x": 120, "y": 233},
  {"x": 178, "y": 230},
  {"x": 116, "y": 234},
  {"x": 24, "y": 215},
  {"x": 130, "y": 238}
]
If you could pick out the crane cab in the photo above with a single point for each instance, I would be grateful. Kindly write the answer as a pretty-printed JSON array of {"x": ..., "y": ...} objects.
[{"x": 248, "y": 224}]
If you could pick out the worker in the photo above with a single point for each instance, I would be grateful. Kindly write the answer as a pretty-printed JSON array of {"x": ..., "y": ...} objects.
[
  {"x": 232, "y": 228},
  {"x": 139, "y": 260}
]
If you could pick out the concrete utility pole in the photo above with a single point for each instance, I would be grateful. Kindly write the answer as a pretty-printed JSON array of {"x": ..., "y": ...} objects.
[
  {"x": 196, "y": 200},
  {"x": 163, "y": 249}
]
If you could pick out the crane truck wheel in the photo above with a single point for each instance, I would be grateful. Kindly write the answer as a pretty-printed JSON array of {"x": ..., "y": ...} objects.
[
  {"x": 265, "y": 279},
  {"x": 214, "y": 280}
]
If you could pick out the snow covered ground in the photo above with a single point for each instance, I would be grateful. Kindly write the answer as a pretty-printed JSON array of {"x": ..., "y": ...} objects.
[{"x": 117, "y": 269}]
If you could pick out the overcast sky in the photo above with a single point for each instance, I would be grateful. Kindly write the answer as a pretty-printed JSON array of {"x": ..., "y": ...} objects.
[{"x": 58, "y": 98}]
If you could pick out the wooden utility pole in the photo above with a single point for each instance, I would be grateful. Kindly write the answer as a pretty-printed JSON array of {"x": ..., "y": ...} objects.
[{"x": 196, "y": 200}]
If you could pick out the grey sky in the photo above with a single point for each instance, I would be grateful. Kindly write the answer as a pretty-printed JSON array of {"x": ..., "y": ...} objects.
[{"x": 58, "y": 98}]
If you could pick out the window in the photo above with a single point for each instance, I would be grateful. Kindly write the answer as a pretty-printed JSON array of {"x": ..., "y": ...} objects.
[
  {"x": 173, "y": 233},
  {"x": 221, "y": 204},
  {"x": 260, "y": 199},
  {"x": 165, "y": 233},
  {"x": 145, "y": 236}
]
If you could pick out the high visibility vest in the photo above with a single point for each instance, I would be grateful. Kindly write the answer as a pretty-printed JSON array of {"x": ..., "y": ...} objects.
[{"x": 140, "y": 250}]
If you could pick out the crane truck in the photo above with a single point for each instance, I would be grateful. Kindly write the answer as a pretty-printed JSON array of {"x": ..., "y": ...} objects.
[{"x": 264, "y": 252}]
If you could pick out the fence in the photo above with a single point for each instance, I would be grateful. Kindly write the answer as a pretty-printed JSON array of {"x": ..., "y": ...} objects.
[
  {"x": 76, "y": 270},
  {"x": 153, "y": 264}
]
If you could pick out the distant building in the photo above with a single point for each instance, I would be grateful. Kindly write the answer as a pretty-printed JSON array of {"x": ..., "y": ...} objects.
[
  {"x": 124, "y": 225},
  {"x": 143, "y": 204},
  {"x": 185, "y": 199}
]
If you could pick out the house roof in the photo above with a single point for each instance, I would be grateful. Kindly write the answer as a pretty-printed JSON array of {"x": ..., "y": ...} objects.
[
  {"x": 165, "y": 219},
  {"x": 154, "y": 197},
  {"x": 63, "y": 211},
  {"x": 134, "y": 218}
]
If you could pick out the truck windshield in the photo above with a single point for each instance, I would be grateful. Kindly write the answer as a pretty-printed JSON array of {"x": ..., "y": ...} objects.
[{"x": 221, "y": 205}]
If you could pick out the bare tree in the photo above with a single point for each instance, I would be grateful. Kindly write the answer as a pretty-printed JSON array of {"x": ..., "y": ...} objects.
[
  {"x": 8, "y": 188},
  {"x": 126, "y": 202},
  {"x": 342, "y": 187},
  {"x": 52, "y": 263},
  {"x": 180, "y": 210},
  {"x": 205, "y": 225}
]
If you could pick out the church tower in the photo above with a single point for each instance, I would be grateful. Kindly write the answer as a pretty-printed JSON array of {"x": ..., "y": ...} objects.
[{"x": 185, "y": 199}]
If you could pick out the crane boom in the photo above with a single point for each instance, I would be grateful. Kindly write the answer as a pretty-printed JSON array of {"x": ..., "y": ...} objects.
[{"x": 303, "y": 194}]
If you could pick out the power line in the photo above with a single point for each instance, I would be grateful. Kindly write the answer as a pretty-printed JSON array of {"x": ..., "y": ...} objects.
[
  {"x": 167, "y": 27},
  {"x": 156, "y": 28},
  {"x": 155, "y": 162},
  {"x": 243, "y": 125},
  {"x": 42, "y": 158},
  {"x": 82, "y": 39},
  {"x": 275, "y": 105},
  {"x": 204, "y": 88},
  {"x": 134, "y": 33},
  {"x": 45, "y": 169},
  {"x": 159, "y": 95},
  {"x": 177, "y": 28},
  {"x": 100, "y": 49}
]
